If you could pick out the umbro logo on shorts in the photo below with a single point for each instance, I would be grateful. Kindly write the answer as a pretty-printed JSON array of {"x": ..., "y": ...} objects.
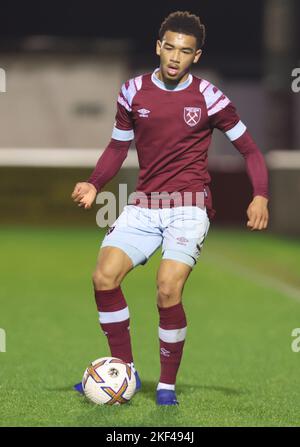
[{"x": 182, "y": 240}]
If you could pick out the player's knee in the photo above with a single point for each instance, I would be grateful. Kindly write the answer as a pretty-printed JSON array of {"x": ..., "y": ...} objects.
[
  {"x": 168, "y": 293},
  {"x": 105, "y": 279}
]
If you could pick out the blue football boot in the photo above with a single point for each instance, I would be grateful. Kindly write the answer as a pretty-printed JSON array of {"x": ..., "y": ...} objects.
[
  {"x": 138, "y": 382},
  {"x": 166, "y": 397},
  {"x": 78, "y": 387}
]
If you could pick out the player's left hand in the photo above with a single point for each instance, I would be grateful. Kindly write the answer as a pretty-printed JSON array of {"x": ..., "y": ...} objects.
[{"x": 258, "y": 213}]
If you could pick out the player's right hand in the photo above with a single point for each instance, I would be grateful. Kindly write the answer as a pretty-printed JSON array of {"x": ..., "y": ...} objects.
[{"x": 84, "y": 194}]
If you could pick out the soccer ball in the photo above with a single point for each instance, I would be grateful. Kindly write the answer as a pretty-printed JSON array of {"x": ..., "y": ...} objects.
[{"x": 109, "y": 381}]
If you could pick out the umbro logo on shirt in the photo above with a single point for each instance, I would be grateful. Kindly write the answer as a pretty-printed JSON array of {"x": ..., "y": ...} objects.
[{"x": 144, "y": 113}]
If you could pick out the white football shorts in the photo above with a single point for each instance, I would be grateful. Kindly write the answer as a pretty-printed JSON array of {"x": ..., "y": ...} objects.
[{"x": 140, "y": 231}]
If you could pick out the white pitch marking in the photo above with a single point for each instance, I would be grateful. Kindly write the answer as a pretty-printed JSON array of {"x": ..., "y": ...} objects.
[{"x": 258, "y": 278}]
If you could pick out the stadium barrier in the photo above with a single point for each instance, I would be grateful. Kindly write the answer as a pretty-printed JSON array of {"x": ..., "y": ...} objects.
[{"x": 36, "y": 185}]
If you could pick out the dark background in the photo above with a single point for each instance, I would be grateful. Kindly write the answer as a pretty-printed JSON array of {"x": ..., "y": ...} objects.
[
  {"x": 235, "y": 48},
  {"x": 133, "y": 19},
  {"x": 235, "y": 29},
  {"x": 232, "y": 30}
]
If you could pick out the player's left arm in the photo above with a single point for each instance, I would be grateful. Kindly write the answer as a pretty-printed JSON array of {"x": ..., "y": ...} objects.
[
  {"x": 228, "y": 121},
  {"x": 257, "y": 212}
]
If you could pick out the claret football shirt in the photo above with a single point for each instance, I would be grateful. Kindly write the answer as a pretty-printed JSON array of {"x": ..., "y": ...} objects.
[{"x": 172, "y": 129}]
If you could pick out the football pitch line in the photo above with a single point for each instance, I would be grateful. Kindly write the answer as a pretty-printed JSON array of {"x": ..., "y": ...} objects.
[{"x": 252, "y": 275}]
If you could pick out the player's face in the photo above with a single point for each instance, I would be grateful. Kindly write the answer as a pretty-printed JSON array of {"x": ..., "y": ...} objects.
[{"x": 177, "y": 53}]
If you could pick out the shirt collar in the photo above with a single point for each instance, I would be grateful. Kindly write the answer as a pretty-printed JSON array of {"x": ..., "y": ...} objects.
[{"x": 163, "y": 86}]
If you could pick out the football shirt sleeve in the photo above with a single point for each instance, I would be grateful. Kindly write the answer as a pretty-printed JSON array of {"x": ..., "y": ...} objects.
[
  {"x": 123, "y": 127},
  {"x": 115, "y": 153},
  {"x": 109, "y": 163},
  {"x": 223, "y": 116}
]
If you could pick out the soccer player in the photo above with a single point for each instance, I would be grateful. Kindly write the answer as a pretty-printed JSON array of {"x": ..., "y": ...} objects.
[{"x": 171, "y": 114}]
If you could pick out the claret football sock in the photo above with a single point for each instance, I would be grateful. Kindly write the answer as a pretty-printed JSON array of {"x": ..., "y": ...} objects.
[
  {"x": 114, "y": 321},
  {"x": 172, "y": 332}
]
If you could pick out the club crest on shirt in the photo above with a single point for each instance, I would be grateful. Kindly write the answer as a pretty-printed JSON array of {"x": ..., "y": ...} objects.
[{"x": 192, "y": 115}]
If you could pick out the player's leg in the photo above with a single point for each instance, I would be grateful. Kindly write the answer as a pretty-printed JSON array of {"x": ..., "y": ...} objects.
[
  {"x": 112, "y": 266},
  {"x": 183, "y": 238},
  {"x": 171, "y": 278},
  {"x": 130, "y": 241}
]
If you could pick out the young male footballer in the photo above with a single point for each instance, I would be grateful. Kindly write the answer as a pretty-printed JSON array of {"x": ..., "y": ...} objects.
[{"x": 171, "y": 115}]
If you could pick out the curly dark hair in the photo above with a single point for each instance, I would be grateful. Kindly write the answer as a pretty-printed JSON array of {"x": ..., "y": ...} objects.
[{"x": 186, "y": 23}]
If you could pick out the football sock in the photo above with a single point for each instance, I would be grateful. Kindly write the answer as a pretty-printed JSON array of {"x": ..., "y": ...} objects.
[
  {"x": 114, "y": 321},
  {"x": 172, "y": 332},
  {"x": 165, "y": 386}
]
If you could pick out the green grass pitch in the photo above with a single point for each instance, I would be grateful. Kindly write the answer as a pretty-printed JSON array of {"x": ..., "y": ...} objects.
[{"x": 242, "y": 302}]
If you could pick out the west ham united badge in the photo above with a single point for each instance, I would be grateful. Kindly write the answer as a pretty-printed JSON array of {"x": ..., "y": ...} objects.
[{"x": 192, "y": 115}]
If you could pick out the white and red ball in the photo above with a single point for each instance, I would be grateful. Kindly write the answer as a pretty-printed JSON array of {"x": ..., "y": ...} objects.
[{"x": 109, "y": 381}]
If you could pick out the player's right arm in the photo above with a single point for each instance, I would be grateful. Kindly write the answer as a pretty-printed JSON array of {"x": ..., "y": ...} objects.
[{"x": 113, "y": 156}]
